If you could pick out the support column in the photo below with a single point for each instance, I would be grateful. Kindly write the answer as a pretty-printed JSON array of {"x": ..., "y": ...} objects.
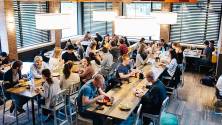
[
  {"x": 7, "y": 29},
  {"x": 117, "y": 8},
  {"x": 219, "y": 50},
  {"x": 165, "y": 28},
  {"x": 54, "y": 7}
]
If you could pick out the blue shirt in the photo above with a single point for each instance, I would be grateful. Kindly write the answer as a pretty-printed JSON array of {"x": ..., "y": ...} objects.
[
  {"x": 88, "y": 90},
  {"x": 123, "y": 69}
]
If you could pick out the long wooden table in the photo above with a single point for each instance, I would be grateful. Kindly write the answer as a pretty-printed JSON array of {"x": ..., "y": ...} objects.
[
  {"x": 25, "y": 92},
  {"x": 123, "y": 95}
]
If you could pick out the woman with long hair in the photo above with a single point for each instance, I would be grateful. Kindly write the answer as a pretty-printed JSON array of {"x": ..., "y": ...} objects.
[
  {"x": 141, "y": 57},
  {"x": 50, "y": 89},
  {"x": 171, "y": 67},
  {"x": 87, "y": 71},
  {"x": 70, "y": 75},
  {"x": 14, "y": 76},
  {"x": 179, "y": 52}
]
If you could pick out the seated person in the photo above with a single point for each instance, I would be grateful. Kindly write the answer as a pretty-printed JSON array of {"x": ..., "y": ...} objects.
[
  {"x": 106, "y": 63},
  {"x": 42, "y": 54},
  {"x": 12, "y": 77},
  {"x": 123, "y": 71},
  {"x": 179, "y": 52},
  {"x": 212, "y": 45},
  {"x": 106, "y": 41},
  {"x": 69, "y": 54},
  {"x": 142, "y": 56},
  {"x": 171, "y": 67},
  {"x": 153, "y": 99},
  {"x": 4, "y": 59},
  {"x": 219, "y": 88},
  {"x": 87, "y": 36},
  {"x": 87, "y": 71},
  {"x": 55, "y": 62},
  {"x": 37, "y": 67},
  {"x": 207, "y": 52},
  {"x": 164, "y": 45},
  {"x": 115, "y": 51},
  {"x": 50, "y": 89},
  {"x": 88, "y": 94},
  {"x": 95, "y": 57},
  {"x": 69, "y": 77},
  {"x": 91, "y": 49},
  {"x": 123, "y": 47}
]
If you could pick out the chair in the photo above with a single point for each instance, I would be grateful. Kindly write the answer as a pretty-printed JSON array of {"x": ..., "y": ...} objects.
[
  {"x": 217, "y": 100},
  {"x": 138, "y": 114},
  {"x": 71, "y": 95},
  {"x": 59, "y": 104},
  {"x": 156, "y": 118},
  {"x": 80, "y": 118},
  {"x": 174, "y": 82},
  {"x": 4, "y": 99}
]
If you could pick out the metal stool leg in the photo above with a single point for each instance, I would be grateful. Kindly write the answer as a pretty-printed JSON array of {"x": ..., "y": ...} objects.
[
  {"x": 3, "y": 114},
  {"x": 66, "y": 114},
  {"x": 55, "y": 118}
]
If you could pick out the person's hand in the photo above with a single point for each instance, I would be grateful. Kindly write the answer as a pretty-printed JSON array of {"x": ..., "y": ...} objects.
[
  {"x": 139, "y": 94},
  {"x": 100, "y": 97},
  {"x": 37, "y": 90},
  {"x": 132, "y": 73}
]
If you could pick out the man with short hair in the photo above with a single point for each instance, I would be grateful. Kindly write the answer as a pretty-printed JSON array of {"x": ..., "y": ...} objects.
[
  {"x": 207, "y": 52},
  {"x": 123, "y": 71},
  {"x": 69, "y": 54},
  {"x": 153, "y": 99},
  {"x": 37, "y": 67},
  {"x": 106, "y": 62},
  {"x": 88, "y": 94}
]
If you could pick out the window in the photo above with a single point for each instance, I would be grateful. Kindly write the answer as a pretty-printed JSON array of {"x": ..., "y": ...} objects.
[
  {"x": 137, "y": 9},
  {"x": 196, "y": 22},
  {"x": 95, "y": 26},
  {"x": 26, "y": 32},
  {"x": 141, "y": 8},
  {"x": 72, "y": 9}
]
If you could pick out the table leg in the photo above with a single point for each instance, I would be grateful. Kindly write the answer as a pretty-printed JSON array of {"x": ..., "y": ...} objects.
[{"x": 33, "y": 112}]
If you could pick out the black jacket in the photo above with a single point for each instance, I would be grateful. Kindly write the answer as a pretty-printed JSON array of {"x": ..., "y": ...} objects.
[
  {"x": 152, "y": 100},
  {"x": 9, "y": 79}
]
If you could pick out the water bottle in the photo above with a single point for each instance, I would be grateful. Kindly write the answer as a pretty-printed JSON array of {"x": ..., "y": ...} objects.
[{"x": 32, "y": 85}]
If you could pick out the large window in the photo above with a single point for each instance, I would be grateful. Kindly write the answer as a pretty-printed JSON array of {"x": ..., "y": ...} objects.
[
  {"x": 141, "y": 8},
  {"x": 196, "y": 22},
  {"x": 70, "y": 8},
  {"x": 95, "y": 26},
  {"x": 26, "y": 33}
]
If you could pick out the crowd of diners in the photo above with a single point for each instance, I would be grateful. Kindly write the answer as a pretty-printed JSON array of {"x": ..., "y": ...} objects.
[{"x": 106, "y": 52}]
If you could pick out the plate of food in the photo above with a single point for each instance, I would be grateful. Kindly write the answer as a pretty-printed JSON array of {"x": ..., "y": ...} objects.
[
  {"x": 106, "y": 101},
  {"x": 124, "y": 107}
]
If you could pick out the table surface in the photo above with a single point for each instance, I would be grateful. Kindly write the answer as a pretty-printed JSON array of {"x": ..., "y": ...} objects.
[
  {"x": 24, "y": 91},
  {"x": 123, "y": 95},
  {"x": 192, "y": 53}
]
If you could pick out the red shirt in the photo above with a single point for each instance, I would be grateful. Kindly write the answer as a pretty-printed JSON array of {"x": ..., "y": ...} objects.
[{"x": 123, "y": 49}]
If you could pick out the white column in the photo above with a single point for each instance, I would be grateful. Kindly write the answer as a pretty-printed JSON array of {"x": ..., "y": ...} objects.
[{"x": 3, "y": 28}]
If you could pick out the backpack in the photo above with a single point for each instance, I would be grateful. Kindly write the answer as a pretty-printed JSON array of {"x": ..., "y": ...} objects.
[{"x": 208, "y": 80}]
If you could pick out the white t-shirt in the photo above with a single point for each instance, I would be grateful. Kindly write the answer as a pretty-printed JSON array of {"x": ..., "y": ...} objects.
[{"x": 219, "y": 85}]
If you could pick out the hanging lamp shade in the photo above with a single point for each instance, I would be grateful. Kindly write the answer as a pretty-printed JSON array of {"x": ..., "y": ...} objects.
[
  {"x": 104, "y": 16},
  {"x": 51, "y": 21}
]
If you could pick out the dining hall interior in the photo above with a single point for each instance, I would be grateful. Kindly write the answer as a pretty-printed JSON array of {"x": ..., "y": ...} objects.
[{"x": 110, "y": 62}]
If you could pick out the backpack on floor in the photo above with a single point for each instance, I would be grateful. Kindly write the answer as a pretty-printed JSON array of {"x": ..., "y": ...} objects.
[{"x": 208, "y": 81}]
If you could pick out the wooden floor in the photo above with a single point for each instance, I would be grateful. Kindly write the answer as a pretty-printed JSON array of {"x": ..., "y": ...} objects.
[{"x": 195, "y": 104}]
